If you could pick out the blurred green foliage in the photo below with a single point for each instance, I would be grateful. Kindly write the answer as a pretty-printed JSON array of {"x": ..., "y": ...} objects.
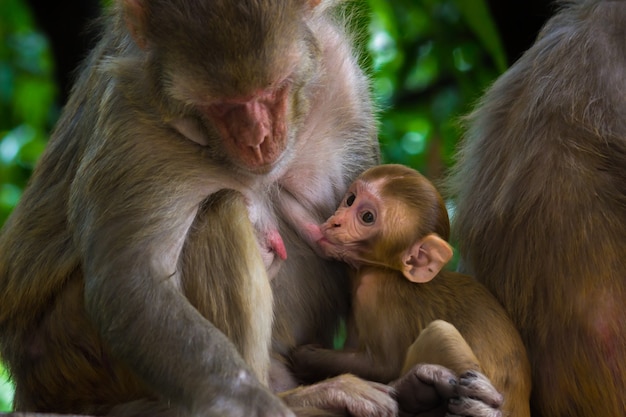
[
  {"x": 6, "y": 390},
  {"x": 429, "y": 61},
  {"x": 27, "y": 99}
]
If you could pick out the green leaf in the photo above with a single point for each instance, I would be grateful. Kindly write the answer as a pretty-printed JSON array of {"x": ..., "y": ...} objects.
[
  {"x": 478, "y": 17},
  {"x": 33, "y": 100},
  {"x": 6, "y": 390}
]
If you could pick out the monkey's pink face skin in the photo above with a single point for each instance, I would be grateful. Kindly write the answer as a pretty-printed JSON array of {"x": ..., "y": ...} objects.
[
  {"x": 355, "y": 221},
  {"x": 253, "y": 128}
]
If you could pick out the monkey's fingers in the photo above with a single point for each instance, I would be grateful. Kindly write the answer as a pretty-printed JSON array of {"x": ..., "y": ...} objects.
[
  {"x": 477, "y": 397},
  {"x": 425, "y": 390},
  {"x": 344, "y": 395}
]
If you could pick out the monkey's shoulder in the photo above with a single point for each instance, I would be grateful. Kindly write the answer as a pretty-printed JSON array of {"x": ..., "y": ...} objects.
[{"x": 455, "y": 281}]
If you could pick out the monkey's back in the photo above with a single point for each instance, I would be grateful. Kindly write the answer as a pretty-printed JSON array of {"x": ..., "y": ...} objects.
[
  {"x": 54, "y": 353},
  {"x": 541, "y": 203}
]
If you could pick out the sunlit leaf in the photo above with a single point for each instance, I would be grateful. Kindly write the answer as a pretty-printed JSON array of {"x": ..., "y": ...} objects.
[
  {"x": 12, "y": 143},
  {"x": 6, "y": 390}
]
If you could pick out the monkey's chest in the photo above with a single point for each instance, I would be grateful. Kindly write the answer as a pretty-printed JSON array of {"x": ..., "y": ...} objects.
[{"x": 383, "y": 322}]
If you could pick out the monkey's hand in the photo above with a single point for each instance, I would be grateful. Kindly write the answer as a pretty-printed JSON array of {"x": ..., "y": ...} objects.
[
  {"x": 432, "y": 390},
  {"x": 344, "y": 395},
  {"x": 476, "y": 396}
]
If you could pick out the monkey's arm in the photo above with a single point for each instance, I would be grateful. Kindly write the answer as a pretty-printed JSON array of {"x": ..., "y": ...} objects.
[
  {"x": 312, "y": 363},
  {"x": 132, "y": 228},
  {"x": 425, "y": 389},
  {"x": 146, "y": 320}
]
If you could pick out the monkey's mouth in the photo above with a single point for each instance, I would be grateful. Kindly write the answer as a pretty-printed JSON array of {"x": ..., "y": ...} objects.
[
  {"x": 324, "y": 245},
  {"x": 260, "y": 156},
  {"x": 259, "y": 159}
]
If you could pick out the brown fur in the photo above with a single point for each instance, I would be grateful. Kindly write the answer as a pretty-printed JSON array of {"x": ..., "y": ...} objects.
[
  {"x": 389, "y": 312},
  {"x": 540, "y": 189},
  {"x": 129, "y": 283},
  {"x": 440, "y": 342},
  {"x": 392, "y": 312}
]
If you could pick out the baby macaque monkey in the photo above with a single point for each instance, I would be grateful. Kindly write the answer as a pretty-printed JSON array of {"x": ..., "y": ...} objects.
[{"x": 392, "y": 229}]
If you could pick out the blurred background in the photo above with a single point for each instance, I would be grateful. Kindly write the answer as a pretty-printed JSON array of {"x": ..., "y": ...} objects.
[{"x": 429, "y": 61}]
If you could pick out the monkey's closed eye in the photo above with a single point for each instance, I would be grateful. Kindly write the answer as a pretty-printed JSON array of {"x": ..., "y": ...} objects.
[
  {"x": 368, "y": 217},
  {"x": 350, "y": 199}
]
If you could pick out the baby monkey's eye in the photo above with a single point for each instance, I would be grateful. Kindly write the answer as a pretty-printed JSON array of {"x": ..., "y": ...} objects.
[
  {"x": 350, "y": 199},
  {"x": 368, "y": 217}
]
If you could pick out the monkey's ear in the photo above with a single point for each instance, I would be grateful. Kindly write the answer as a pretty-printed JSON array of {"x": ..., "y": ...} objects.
[
  {"x": 423, "y": 261},
  {"x": 135, "y": 15}
]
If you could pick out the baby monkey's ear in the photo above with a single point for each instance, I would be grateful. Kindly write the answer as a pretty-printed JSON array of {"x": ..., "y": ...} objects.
[{"x": 423, "y": 261}]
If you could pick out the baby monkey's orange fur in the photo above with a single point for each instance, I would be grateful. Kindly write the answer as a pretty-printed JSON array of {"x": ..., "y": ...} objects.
[{"x": 392, "y": 228}]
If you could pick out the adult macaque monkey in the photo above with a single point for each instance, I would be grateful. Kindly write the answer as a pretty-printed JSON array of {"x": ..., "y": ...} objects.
[
  {"x": 391, "y": 227},
  {"x": 129, "y": 283},
  {"x": 134, "y": 271},
  {"x": 541, "y": 206}
]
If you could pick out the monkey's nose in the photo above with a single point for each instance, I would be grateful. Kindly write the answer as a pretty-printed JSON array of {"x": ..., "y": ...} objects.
[{"x": 256, "y": 150}]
